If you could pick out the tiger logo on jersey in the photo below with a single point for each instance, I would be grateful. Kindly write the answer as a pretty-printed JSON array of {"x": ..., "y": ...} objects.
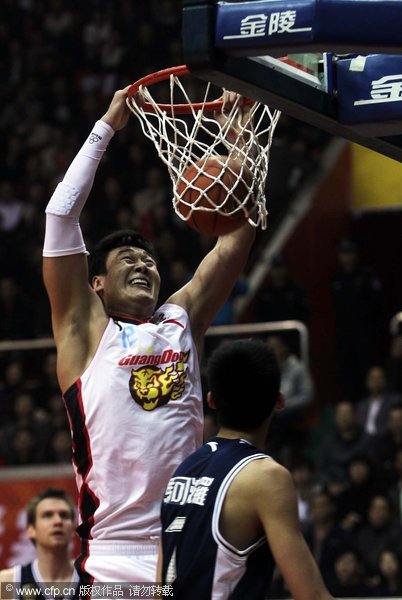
[{"x": 152, "y": 386}]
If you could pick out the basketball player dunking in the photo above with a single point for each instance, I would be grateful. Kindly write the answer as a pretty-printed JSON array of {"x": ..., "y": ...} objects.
[{"x": 129, "y": 375}]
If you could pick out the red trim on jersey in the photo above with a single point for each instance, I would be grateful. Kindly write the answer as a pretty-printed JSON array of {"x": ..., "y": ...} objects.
[
  {"x": 128, "y": 319},
  {"x": 84, "y": 430},
  {"x": 173, "y": 321},
  {"x": 135, "y": 321},
  {"x": 73, "y": 444},
  {"x": 80, "y": 562},
  {"x": 88, "y": 502}
]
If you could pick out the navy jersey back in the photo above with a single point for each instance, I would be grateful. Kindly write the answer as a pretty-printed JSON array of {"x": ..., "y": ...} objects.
[{"x": 197, "y": 561}]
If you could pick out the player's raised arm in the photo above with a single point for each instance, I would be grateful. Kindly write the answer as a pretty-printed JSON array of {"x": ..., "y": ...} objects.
[
  {"x": 75, "y": 306},
  {"x": 217, "y": 273},
  {"x": 214, "y": 278}
]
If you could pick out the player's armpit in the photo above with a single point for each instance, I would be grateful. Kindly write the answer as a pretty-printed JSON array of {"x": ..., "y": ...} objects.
[{"x": 276, "y": 505}]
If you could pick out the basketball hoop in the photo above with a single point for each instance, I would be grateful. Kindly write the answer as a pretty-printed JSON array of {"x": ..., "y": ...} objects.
[{"x": 184, "y": 131}]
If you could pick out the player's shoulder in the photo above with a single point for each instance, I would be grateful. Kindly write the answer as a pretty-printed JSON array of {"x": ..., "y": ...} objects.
[
  {"x": 7, "y": 575},
  {"x": 266, "y": 476},
  {"x": 170, "y": 309},
  {"x": 268, "y": 466}
]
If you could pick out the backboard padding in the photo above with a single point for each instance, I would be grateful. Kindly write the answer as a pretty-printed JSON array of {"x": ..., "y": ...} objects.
[{"x": 267, "y": 85}]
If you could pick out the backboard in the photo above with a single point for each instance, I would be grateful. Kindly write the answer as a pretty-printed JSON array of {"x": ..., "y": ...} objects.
[{"x": 349, "y": 51}]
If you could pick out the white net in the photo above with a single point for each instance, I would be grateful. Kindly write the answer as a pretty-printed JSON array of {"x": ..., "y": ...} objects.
[{"x": 231, "y": 147}]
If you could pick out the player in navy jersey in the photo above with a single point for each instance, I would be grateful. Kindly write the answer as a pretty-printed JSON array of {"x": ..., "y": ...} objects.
[
  {"x": 129, "y": 373},
  {"x": 229, "y": 512},
  {"x": 50, "y": 526}
]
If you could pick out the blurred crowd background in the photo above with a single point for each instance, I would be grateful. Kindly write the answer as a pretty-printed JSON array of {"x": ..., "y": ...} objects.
[{"x": 60, "y": 63}]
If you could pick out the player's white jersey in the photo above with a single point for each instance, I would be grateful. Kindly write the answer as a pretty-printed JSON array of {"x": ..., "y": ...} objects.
[{"x": 135, "y": 414}]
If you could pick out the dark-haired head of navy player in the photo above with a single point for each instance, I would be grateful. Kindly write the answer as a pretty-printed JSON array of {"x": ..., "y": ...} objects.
[{"x": 243, "y": 383}]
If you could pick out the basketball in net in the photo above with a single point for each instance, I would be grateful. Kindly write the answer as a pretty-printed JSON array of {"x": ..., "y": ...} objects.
[
  {"x": 213, "y": 195},
  {"x": 216, "y": 153}
]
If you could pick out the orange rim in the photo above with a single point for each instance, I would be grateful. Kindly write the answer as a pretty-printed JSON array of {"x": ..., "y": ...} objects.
[{"x": 177, "y": 109}]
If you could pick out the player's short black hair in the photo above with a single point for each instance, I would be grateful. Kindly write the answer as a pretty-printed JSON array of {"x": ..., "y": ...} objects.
[
  {"x": 117, "y": 239},
  {"x": 244, "y": 379}
]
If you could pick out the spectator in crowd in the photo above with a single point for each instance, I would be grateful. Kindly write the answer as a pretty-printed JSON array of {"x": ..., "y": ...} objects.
[
  {"x": 24, "y": 448},
  {"x": 349, "y": 579},
  {"x": 357, "y": 294},
  {"x": 56, "y": 412},
  {"x": 372, "y": 410},
  {"x": 363, "y": 483},
  {"x": 303, "y": 474},
  {"x": 393, "y": 365},
  {"x": 59, "y": 447},
  {"x": 296, "y": 383},
  {"x": 395, "y": 488},
  {"x": 390, "y": 441},
  {"x": 11, "y": 383},
  {"x": 325, "y": 538},
  {"x": 12, "y": 209},
  {"x": 297, "y": 389},
  {"x": 147, "y": 199},
  {"x": 280, "y": 298},
  {"x": 390, "y": 572},
  {"x": 178, "y": 275},
  {"x": 16, "y": 313},
  {"x": 25, "y": 415},
  {"x": 168, "y": 249},
  {"x": 47, "y": 384},
  {"x": 381, "y": 531},
  {"x": 291, "y": 160},
  {"x": 348, "y": 440}
]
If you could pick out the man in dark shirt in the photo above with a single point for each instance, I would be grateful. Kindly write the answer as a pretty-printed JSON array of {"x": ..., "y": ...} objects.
[
  {"x": 280, "y": 298},
  {"x": 348, "y": 440},
  {"x": 357, "y": 294}
]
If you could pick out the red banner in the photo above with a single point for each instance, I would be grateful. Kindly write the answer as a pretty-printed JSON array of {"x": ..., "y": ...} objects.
[{"x": 17, "y": 487}]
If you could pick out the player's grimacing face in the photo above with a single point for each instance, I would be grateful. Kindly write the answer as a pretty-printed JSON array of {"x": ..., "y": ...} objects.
[
  {"x": 53, "y": 523},
  {"x": 131, "y": 273}
]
